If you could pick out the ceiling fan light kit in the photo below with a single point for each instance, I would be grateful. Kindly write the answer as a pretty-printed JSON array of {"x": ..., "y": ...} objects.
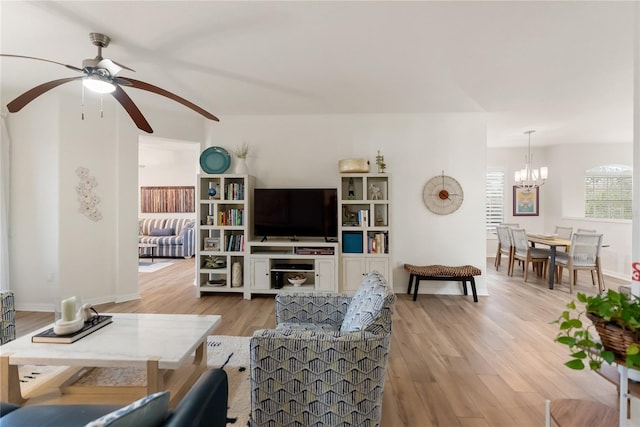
[
  {"x": 101, "y": 76},
  {"x": 98, "y": 85}
]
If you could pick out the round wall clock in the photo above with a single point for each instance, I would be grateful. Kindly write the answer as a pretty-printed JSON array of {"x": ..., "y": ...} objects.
[{"x": 442, "y": 194}]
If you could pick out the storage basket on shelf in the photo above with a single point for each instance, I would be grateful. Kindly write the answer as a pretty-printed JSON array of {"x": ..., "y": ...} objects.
[{"x": 613, "y": 337}]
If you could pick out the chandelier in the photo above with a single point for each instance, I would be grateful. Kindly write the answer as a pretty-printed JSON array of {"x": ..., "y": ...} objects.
[{"x": 530, "y": 178}]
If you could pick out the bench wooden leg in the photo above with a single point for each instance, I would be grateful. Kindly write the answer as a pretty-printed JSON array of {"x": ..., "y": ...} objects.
[
  {"x": 473, "y": 289},
  {"x": 411, "y": 276},
  {"x": 415, "y": 291}
]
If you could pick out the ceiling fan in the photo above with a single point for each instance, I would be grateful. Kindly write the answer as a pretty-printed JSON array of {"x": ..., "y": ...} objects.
[{"x": 101, "y": 75}]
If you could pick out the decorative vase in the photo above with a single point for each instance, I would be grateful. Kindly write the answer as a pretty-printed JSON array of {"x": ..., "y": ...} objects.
[
  {"x": 241, "y": 166},
  {"x": 236, "y": 275}
]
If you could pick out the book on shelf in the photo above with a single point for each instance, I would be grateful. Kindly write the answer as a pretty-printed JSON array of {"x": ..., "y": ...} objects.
[
  {"x": 90, "y": 326},
  {"x": 363, "y": 218}
]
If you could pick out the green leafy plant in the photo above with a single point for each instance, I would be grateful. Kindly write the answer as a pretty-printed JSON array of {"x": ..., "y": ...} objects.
[
  {"x": 380, "y": 162},
  {"x": 615, "y": 308}
]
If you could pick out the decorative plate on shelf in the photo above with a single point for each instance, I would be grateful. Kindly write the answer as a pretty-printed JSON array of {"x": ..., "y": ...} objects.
[{"x": 215, "y": 160}]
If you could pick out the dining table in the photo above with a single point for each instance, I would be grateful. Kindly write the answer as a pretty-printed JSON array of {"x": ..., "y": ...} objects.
[{"x": 553, "y": 243}]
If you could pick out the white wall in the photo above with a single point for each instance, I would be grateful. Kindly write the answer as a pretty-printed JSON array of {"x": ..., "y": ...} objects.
[
  {"x": 562, "y": 197},
  {"x": 298, "y": 151},
  {"x": 98, "y": 260},
  {"x": 167, "y": 163},
  {"x": 566, "y": 206},
  {"x": 34, "y": 204},
  {"x": 55, "y": 250}
]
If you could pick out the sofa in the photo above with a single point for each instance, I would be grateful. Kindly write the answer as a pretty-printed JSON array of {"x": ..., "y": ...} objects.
[
  {"x": 204, "y": 405},
  {"x": 325, "y": 362},
  {"x": 175, "y": 237}
]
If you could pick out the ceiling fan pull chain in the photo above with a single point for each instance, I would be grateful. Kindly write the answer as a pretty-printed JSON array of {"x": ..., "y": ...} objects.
[
  {"x": 82, "y": 102},
  {"x": 101, "y": 111}
]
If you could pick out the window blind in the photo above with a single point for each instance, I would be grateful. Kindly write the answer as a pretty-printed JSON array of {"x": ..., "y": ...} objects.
[
  {"x": 494, "y": 200},
  {"x": 608, "y": 192}
]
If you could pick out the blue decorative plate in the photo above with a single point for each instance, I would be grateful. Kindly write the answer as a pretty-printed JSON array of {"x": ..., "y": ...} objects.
[{"x": 215, "y": 160}]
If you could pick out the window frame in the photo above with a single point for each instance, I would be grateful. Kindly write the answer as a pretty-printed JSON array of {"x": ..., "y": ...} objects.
[{"x": 613, "y": 181}]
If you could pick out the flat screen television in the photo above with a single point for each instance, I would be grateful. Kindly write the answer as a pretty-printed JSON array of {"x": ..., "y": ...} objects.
[{"x": 295, "y": 212}]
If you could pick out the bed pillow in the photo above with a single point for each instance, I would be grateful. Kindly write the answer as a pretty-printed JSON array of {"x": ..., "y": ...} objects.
[
  {"x": 163, "y": 231},
  {"x": 150, "y": 411}
]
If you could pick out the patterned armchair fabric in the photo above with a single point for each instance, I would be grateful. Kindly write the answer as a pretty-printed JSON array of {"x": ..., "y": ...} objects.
[
  {"x": 8, "y": 321},
  {"x": 307, "y": 372}
]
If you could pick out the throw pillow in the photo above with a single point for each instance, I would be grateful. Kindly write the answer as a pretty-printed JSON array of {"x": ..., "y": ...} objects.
[
  {"x": 367, "y": 303},
  {"x": 163, "y": 231},
  {"x": 150, "y": 411}
]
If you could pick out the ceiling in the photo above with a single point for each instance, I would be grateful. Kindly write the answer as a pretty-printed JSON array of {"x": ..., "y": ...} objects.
[{"x": 562, "y": 68}]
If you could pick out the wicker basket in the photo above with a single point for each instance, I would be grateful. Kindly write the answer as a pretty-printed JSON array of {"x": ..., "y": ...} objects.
[{"x": 613, "y": 337}]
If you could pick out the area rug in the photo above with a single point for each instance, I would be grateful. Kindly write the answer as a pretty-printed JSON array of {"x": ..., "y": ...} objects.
[
  {"x": 152, "y": 267},
  {"x": 230, "y": 353}
]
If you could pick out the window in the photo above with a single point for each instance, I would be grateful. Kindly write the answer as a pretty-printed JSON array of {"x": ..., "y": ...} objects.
[
  {"x": 494, "y": 199},
  {"x": 608, "y": 192}
]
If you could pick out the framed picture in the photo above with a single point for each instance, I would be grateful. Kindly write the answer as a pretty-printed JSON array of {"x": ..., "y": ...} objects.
[
  {"x": 211, "y": 243},
  {"x": 525, "y": 202}
]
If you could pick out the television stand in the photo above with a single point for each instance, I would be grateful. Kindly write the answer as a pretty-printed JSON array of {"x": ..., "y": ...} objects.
[{"x": 273, "y": 262}]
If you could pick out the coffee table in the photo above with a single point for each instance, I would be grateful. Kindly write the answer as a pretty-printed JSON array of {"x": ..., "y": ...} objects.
[
  {"x": 153, "y": 247},
  {"x": 172, "y": 348}
]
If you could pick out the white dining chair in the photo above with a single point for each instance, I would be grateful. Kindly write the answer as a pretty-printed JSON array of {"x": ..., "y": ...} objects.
[
  {"x": 505, "y": 247},
  {"x": 527, "y": 254},
  {"x": 584, "y": 254},
  {"x": 563, "y": 232},
  {"x": 586, "y": 230}
]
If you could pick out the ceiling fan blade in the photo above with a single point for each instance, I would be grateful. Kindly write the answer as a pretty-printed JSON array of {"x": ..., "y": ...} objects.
[
  {"x": 71, "y": 67},
  {"x": 155, "y": 89},
  {"x": 135, "y": 114},
  {"x": 18, "y": 103}
]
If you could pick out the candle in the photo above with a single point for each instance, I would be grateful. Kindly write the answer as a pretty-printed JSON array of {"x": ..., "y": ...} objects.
[{"x": 69, "y": 309}]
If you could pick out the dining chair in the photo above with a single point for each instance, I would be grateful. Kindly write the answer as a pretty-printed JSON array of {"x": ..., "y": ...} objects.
[
  {"x": 586, "y": 230},
  {"x": 505, "y": 247},
  {"x": 527, "y": 254},
  {"x": 584, "y": 254},
  {"x": 564, "y": 232},
  {"x": 510, "y": 224}
]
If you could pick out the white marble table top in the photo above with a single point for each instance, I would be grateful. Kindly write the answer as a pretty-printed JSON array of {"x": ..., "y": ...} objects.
[{"x": 130, "y": 340}]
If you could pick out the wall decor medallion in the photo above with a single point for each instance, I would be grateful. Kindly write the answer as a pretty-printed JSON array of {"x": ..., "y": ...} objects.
[
  {"x": 87, "y": 199},
  {"x": 442, "y": 194}
]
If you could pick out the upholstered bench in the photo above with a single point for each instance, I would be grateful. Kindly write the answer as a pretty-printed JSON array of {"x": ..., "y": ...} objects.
[{"x": 462, "y": 274}]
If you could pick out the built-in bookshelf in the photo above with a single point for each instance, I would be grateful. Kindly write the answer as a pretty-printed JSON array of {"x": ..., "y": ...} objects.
[
  {"x": 223, "y": 216},
  {"x": 364, "y": 226}
]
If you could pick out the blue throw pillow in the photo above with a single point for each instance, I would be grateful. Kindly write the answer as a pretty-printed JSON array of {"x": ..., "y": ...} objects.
[
  {"x": 150, "y": 411},
  {"x": 163, "y": 231}
]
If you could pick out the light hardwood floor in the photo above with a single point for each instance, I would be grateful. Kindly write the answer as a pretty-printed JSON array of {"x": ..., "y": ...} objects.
[{"x": 452, "y": 362}]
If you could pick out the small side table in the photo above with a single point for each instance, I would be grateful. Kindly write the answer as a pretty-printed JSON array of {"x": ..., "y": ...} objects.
[{"x": 153, "y": 247}]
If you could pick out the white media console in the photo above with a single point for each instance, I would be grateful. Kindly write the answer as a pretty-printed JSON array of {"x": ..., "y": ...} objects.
[{"x": 274, "y": 261}]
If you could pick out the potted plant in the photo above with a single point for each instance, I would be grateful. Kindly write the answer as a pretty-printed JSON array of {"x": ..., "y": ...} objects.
[{"x": 616, "y": 318}]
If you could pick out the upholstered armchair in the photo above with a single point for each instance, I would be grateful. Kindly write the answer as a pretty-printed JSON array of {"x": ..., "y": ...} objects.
[
  {"x": 8, "y": 319},
  {"x": 325, "y": 362}
]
